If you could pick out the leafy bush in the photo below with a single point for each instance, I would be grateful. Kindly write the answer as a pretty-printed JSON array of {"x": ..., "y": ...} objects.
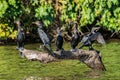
[
  {"x": 7, "y": 32},
  {"x": 103, "y": 13}
]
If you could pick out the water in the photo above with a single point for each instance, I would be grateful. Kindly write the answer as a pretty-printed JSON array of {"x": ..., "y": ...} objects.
[{"x": 13, "y": 67}]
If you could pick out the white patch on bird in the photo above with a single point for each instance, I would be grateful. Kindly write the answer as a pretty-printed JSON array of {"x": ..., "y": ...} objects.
[{"x": 84, "y": 39}]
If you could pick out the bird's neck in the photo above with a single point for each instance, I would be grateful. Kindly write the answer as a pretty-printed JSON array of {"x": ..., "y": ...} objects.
[
  {"x": 93, "y": 32},
  {"x": 39, "y": 29},
  {"x": 40, "y": 26},
  {"x": 59, "y": 34},
  {"x": 19, "y": 28},
  {"x": 75, "y": 30}
]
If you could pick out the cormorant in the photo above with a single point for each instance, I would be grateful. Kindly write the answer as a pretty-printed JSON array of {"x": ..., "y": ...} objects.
[
  {"x": 43, "y": 36},
  {"x": 88, "y": 39},
  {"x": 75, "y": 38},
  {"x": 59, "y": 40},
  {"x": 20, "y": 36}
]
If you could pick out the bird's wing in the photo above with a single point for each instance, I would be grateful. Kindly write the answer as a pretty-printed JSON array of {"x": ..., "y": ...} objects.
[
  {"x": 84, "y": 39},
  {"x": 100, "y": 39},
  {"x": 23, "y": 34},
  {"x": 43, "y": 36}
]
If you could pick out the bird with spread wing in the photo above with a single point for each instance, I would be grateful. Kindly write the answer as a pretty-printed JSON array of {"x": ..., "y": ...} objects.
[{"x": 89, "y": 39}]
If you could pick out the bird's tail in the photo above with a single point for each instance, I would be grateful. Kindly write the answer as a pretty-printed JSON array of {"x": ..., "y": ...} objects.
[
  {"x": 100, "y": 39},
  {"x": 48, "y": 48},
  {"x": 51, "y": 51}
]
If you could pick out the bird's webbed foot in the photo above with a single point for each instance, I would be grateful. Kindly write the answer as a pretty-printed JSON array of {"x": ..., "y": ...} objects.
[
  {"x": 44, "y": 45},
  {"x": 17, "y": 48},
  {"x": 91, "y": 48},
  {"x": 81, "y": 47},
  {"x": 57, "y": 49},
  {"x": 21, "y": 55},
  {"x": 74, "y": 50},
  {"x": 22, "y": 48}
]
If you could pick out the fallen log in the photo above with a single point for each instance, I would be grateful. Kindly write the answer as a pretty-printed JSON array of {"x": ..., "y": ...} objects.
[
  {"x": 36, "y": 55},
  {"x": 91, "y": 58}
]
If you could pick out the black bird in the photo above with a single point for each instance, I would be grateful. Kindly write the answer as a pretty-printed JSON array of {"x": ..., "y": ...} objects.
[
  {"x": 59, "y": 40},
  {"x": 20, "y": 36},
  {"x": 88, "y": 39},
  {"x": 43, "y": 36},
  {"x": 75, "y": 38}
]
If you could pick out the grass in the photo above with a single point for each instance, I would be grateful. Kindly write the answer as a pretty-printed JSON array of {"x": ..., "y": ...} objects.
[{"x": 13, "y": 67}]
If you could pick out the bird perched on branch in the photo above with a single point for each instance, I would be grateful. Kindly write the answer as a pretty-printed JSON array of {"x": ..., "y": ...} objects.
[
  {"x": 59, "y": 40},
  {"x": 20, "y": 36},
  {"x": 43, "y": 36},
  {"x": 94, "y": 35},
  {"x": 75, "y": 38}
]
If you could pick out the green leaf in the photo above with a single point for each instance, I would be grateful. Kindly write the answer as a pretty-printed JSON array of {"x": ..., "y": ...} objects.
[{"x": 3, "y": 7}]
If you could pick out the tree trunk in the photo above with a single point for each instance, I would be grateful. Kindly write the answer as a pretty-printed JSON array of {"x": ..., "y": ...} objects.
[{"x": 91, "y": 58}]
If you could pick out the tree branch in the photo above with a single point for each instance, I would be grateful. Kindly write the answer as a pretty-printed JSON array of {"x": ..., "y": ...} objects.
[{"x": 91, "y": 58}]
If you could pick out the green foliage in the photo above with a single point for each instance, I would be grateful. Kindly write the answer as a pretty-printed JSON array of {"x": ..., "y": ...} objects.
[
  {"x": 108, "y": 14},
  {"x": 3, "y": 7},
  {"x": 12, "y": 2},
  {"x": 7, "y": 32},
  {"x": 44, "y": 12},
  {"x": 12, "y": 11},
  {"x": 103, "y": 13}
]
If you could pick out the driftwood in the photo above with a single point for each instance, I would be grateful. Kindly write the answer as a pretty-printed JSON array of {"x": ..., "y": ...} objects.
[
  {"x": 36, "y": 55},
  {"x": 91, "y": 58}
]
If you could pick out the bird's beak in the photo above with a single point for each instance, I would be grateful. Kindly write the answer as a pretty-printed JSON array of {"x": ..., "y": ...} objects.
[
  {"x": 17, "y": 23},
  {"x": 33, "y": 22},
  {"x": 62, "y": 28},
  {"x": 36, "y": 23}
]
